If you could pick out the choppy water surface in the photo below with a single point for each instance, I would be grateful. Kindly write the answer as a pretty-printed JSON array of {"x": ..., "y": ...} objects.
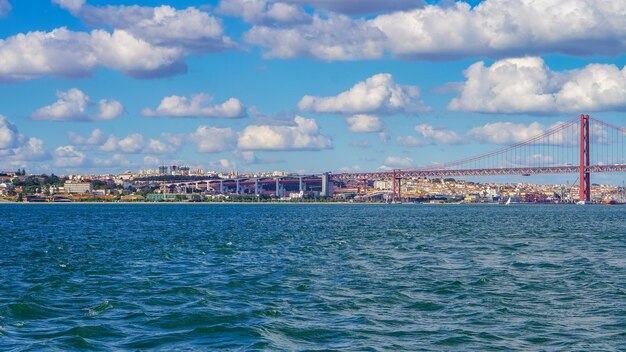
[{"x": 298, "y": 277}]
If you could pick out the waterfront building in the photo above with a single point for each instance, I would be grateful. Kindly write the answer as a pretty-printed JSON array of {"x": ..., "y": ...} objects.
[{"x": 78, "y": 187}]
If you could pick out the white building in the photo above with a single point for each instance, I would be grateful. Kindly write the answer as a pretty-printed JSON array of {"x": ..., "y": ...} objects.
[{"x": 78, "y": 187}]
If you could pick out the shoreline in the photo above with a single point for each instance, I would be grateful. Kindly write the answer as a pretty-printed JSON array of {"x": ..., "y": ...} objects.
[{"x": 271, "y": 203}]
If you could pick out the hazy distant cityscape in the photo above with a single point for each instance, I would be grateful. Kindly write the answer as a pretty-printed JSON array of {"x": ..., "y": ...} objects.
[{"x": 184, "y": 184}]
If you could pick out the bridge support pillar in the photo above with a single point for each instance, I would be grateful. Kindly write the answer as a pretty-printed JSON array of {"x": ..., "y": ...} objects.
[
  {"x": 585, "y": 176},
  {"x": 327, "y": 186},
  {"x": 256, "y": 186},
  {"x": 300, "y": 183},
  {"x": 396, "y": 186},
  {"x": 222, "y": 186},
  {"x": 237, "y": 186},
  {"x": 277, "y": 187}
]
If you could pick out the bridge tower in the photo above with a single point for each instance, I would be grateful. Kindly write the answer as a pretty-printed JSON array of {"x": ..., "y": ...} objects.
[
  {"x": 327, "y": 185},
  {"x": 396, "y": 186},
  {"x": 585, "y": 176}
]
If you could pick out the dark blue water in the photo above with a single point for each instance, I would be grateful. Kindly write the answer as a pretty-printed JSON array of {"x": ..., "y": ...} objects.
[{"x": 312, "y": 277}]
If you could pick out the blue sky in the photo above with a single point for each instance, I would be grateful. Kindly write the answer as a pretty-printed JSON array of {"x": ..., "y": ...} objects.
[{"x": 300, "y": 85}]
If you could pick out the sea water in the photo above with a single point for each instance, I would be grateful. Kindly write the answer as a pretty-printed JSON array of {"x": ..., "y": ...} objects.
[{"x": 287, "y": 277}]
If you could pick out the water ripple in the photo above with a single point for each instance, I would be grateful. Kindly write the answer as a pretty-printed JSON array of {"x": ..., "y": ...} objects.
[{"x": 312, "y": 277}]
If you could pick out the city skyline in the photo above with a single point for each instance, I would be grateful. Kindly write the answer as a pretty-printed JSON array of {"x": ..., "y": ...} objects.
[{"x": 301, "y": 86}]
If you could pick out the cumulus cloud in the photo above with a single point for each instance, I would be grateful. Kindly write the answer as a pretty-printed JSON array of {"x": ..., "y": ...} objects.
[
  {"x": 439, "y": 135},
  {"x": 190, "y": 30},
  {"x": 96, "y": 137},
  {"x": 377, "y": 94},
  {"x": 393, "y": 162},
  {"x": 263, "y": 11},
  {"x": 149, "y": 160},
  {"x": 527, "y": 85},
  {"x": 494, "y": 28},
  {"x": 30, "y": 149},
  {"x": 559, "y": 134},
  {"x": 155, "y": 146},
  {"x": 356, "y": 7},
  {"x": 8, "y": 134},
  {"x": 68, "y": 156},
  {"x": 303, "y": 135},
  {"x": 249, "y": 157},
  {"x": 506, "y": 132},
  {"x": 72, "y": 5},
  {"x": 224, "y": 164},
  {"x": 410, "y": 141},
  {"x": 5, "y": 8},
  {"x": 199, "y": 105},
  {"x": 336, "y": 37},
  {"x": 145, "y": 42},
  {"x": 74, "y": 104},
  {"x": 115, "y": 160},
  {"x": 65, "y": 53},
  {"x": 135, "y": 143},
  {"x": 15, "y": 147},
  {"x": 210, "y": 139},
  {"x": 363, "y": 123}
]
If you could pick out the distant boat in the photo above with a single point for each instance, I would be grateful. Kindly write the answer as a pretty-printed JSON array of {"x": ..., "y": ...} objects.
[
  {"x": 584, "y": 202},
  {"x": 508, "y": 201}
]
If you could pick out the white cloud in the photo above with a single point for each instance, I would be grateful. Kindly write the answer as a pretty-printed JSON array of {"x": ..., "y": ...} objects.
[
  {"x": 5, "y": 8},
  {"x": 67, "y": 156},
  {"x": 354, "y": 7},
  {"x": 392, "y": 162},
  {"x": 115, "y": 160},
  {"x": 8, "y": 134},
  {"x": 263, "y": 11},
  {"x": 200, "y": 105},
  {"x": 108, "y": 109},
  {"x": 96, "y": 137},
  {"x": 527, "y": 85},
  {"x": 224, "y": 164},
  {"x": 65, "y": 53},
  {"x": 439, "y": 135},
  {"x": 135, "y": 57},
  {"x": 32, "y": 149},
  {"x": 210, "y": 139},
  {"x": 249, "y": 157},
  {"x": 72, "y": 5},
  {"x": 410, "y": 141},
  {"x": 506, "y": 132},
  {"x": 176, "y": 140},
  {"x": 305, "y": 135},
  {"x": 377, "y": 94},
  {"x": 334, "y": 38},
  {"x": 363, "y": 123},
  {"x": 155, "y": 146},
  {"x": 73, "y": 105},
  {"x": 559, "y": 133},
  {"x": 494, "y": 28},
  {"x": 144, "y": 42},
  {"x": 131, "y": 144},
  {"x": 15, "y": 147},
  {"x": 151, "y": 161},
  {"x": 190, "y": 30},
  {"x": 384, "y": 137}
]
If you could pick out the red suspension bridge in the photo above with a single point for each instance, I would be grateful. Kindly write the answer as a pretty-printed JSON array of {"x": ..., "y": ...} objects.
[{"x": 581, "y": 146}]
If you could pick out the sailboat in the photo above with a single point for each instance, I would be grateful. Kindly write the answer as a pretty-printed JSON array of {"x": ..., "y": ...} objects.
[{"x": 508, "y": 201}]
